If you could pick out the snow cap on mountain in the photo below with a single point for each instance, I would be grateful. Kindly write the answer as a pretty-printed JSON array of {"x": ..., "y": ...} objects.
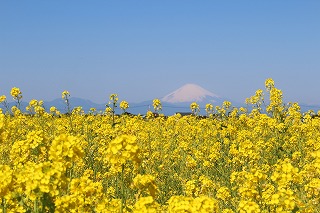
[{"x": 189, "y": 93}]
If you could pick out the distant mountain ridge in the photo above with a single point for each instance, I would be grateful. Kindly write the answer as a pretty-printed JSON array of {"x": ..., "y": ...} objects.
[
  {"x": 74, "y": 102},
  {"x": 176, "y": 101}
]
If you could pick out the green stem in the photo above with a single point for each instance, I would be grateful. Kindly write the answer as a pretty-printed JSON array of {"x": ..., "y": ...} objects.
[
  {"x": 35, "y": 206},
  {"x": 69, "y": 113},
  {"x": 113, "y": 112},
  {"x": 5, "y": 104},
  {"x": 19, "y": 104},
  {"x": 123, "y": 197},
  {"x": 4, "y": 210}
]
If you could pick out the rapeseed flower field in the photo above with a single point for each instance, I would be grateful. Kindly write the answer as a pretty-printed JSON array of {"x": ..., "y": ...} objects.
[{"x": 263, "y": 158}]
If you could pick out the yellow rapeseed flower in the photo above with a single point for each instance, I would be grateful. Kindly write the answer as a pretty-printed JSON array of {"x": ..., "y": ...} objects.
[
  {"x": 2, "y": 98},
  {"x": 122, "y": 149},
  {"x": 16, "y": 93}
]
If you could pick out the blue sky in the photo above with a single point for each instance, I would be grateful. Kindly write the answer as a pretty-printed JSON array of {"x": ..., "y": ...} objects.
[{"x": 145, "y": 49}]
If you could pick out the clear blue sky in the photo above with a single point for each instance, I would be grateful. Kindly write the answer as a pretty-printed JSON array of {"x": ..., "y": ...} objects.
[{"x": 144, "y": 49}]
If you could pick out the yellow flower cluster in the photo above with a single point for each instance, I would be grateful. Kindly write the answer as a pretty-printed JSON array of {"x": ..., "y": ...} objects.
[
  {"x": 187, "y": 204},
  {"x": 16, "y": 93},
  {"x": 209, "y": 109},
  {"x": 263, "y": 158},
  {"x": 124, "y": 105},
  {"x": 146, "y": 205},
  {"x": 122, "y": 149},
  {"x": 195, "y": 108},
  {"x": 2, "y": 98},
  {"x": 84, "y": 193},
  {"x": 223, "y": 193},
  {"x": 65, "y": 94},
  {"x": 66, "y": 148},
  {"x": 145, "y": 182},
  {"x": 35, "y": 107},
  {"x": 157, "y": 106},
  {"x": 5, "y": 179}
]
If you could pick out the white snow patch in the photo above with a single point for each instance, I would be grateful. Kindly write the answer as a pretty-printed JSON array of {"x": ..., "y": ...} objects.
[{"x": 189, "y": 93}]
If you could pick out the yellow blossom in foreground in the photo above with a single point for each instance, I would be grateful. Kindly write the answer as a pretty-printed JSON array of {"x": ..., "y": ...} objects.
[
  {"x": 248, "y": 207},
  {"x": 5, "y": 180},
  {"x": 121, "y": 150},
  {"x": 145, "y": 182},
  {"x": 253, "y": 159},
  {"x": 66, "y": 148},
  {"x": 187, "y": 204},
  {"x": 223, "y": 193},
  {"x": 146, "y": 205}
]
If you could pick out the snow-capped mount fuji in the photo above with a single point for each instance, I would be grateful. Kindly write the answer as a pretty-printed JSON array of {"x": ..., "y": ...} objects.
[{"x": 190, "y": 93}]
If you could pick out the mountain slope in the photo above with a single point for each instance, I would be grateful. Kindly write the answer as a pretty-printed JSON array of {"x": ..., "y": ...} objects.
[{"x": 190, "y": 93}]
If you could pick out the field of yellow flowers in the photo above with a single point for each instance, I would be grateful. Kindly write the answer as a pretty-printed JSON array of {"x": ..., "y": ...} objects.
[{"x": 263, "y": 158}]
